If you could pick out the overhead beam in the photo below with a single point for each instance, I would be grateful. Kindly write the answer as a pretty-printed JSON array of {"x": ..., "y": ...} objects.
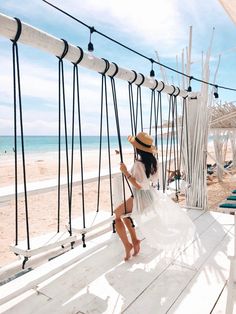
[{"x": 37, "y": 38}]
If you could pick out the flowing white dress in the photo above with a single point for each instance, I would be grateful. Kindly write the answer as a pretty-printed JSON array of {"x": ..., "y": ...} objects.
[{"x": 163, "y": 223}]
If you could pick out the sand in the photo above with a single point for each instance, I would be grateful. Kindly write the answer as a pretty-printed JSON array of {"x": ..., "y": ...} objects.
[{"x": 43, "y": 206}]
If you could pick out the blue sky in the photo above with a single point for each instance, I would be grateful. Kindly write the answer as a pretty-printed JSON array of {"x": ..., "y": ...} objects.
[{"x": 146, "y": 26}]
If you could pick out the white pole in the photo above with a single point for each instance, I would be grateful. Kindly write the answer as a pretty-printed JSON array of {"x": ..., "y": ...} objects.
[{"x": 41, "y": 40}]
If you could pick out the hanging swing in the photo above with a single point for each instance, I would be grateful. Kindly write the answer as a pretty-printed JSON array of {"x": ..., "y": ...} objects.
[
  {"x": 33, "y": 246},
  {"x": 94, "y": 221}
]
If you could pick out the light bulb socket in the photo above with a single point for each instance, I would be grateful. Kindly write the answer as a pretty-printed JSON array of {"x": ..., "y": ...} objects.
[
  {"x": 216, "y": 95},
  {"x": 189, "y": 89},
  {"x": 90, "y": 47},
  {"x": 152, "y": 73}
]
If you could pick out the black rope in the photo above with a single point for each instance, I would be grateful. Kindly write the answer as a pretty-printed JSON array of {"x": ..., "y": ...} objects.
[
  {"x": 159, "y": 105},
  {"x": 17, "y": 89},
  {"x": 103, "y": 89},
  {"x": 108, "y": 145},
  {"x": 131, "y": 108},
  {"x": 135, "y": 77},
  {"x": 116, "y": 70},
  {"x": 76, "y": 99},
  {"x": 61, "y": 100},
  {"x": 80, "y": 57},
  {"x": 168, "y": 135},
  {"x": 119, "y": 137}
]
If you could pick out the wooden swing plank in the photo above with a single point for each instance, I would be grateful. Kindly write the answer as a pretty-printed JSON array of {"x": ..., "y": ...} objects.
[
  {"x": 94, "y": 220},
  {"x": 43, "y": 243}
]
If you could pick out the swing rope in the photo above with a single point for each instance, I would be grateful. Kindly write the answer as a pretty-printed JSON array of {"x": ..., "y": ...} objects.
[
  {"x": 104, "y": 99},
  {"x": 131, "y": 104},
  {"x": 108, "y": 133},
  {"x": 17, "y": 89},
  {"x": 159, "y": 109},
  {"x": 62, "y": 102},
  {"x": 139, "y": 105},
  {"x": 113, "y": 86},
  {"x": 76, "y": 100}
]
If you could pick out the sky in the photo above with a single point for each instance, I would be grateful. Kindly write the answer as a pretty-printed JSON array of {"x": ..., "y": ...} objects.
[{"x": 146, "y": 26}]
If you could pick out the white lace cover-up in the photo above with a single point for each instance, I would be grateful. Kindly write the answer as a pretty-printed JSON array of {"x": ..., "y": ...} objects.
[{"x": 163, "y": 223}]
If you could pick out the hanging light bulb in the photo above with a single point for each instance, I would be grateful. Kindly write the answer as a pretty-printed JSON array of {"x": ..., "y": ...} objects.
[
  {"x": 90, "y": 44},
  {"x": 189, "y": 85},
  {"x": 216, "y": 95},
  {"x": 152, "y": 73}
]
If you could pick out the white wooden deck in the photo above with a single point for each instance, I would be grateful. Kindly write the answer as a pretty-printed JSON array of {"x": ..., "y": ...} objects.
[{"x": 96, "y": 280}]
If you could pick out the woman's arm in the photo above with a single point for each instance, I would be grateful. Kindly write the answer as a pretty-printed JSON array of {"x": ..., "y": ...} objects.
[{"x": 131, "y": 179}]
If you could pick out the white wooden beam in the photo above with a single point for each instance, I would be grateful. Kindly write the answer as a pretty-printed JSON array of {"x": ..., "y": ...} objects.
[{"x": 37, "y": 38}]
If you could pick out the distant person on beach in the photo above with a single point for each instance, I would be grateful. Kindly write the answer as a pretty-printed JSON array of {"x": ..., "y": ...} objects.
[{"x": 163, "y": 224}]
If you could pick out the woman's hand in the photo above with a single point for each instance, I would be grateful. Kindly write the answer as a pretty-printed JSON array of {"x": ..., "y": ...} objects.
[{"x": 123, "y": 168}]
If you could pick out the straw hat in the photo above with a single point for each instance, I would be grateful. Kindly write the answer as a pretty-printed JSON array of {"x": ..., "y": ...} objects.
[{"x": 143, "y": 141}]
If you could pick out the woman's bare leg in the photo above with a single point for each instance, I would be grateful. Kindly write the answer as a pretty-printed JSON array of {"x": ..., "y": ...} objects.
[
  {"x": 120, "y": 227},
  {"x": 135, "y": 240}
]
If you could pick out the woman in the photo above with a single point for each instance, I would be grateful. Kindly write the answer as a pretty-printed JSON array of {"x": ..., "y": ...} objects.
[
  {"x": 142, "y": 173},
  {"x": 160, "y": 220}
]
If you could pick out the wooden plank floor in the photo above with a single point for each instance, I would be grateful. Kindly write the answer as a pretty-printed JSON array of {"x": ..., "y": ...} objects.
[{"x": 100, "y": 282}]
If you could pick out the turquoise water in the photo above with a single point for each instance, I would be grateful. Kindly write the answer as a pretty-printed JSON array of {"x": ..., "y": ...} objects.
[
  {"x": 40, "y": 144},
  {"x": 36, "y": 144},
  {"x": 43, "y": 144}
]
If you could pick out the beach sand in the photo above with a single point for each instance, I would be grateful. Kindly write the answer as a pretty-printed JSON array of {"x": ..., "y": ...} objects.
[{"x": 42, "y": 207}]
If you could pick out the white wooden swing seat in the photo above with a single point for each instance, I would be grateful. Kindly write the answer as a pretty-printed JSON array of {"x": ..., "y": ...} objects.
[
  {"x": 43, "y": 243},
  {"x": 53, "y": 240},
  {"x": 94, "y": 221}
]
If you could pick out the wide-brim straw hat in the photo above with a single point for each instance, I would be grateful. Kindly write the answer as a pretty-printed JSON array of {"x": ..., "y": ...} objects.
[{"x": 143, "y": 141}]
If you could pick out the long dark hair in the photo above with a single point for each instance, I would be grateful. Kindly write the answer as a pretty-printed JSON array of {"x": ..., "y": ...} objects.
[{"x": 149, "y": 162}]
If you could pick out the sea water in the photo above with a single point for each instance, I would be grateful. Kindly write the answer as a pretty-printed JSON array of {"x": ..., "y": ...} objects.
[{"x": 45, "y": 144}]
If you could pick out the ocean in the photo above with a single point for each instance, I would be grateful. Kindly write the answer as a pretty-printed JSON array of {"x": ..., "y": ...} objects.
[{"x": 44, "y": 144}]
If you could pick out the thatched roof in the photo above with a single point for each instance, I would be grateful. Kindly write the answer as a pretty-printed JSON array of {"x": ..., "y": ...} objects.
[{"x": 223, "y": 116}]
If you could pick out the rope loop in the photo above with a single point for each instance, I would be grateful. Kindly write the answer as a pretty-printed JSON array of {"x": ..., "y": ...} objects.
[
  {"x": 143, "y": 78},
  {"x": 116, "y": 70},
  {"x": 66, "y": 48},
  {"x": 18, "y": 31},
  {"x": 107, "y": 66},
  {"x": 163, "y": 86},
  {"x": 171, "y": 94},
  {"x": 80, "y": 57},
  {"x": 178, "y": 91},
  {"x": 135, "y": 77},
  {"x": 156, "y": 84}
]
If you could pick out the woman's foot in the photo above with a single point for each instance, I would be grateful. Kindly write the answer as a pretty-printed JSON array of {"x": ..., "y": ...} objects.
[
  {"x": 136, "y": 247},
  {"x": 128, "y": 249}
]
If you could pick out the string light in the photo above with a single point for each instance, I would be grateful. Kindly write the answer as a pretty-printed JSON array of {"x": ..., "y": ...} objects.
[
  {"x": 216, "y": 95},
  {"x": 136, "y": 52},
  {"x": 189, "y": 89},
  {"x": 90, "y": 44},
  {"x": 152, "y": 73}
]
